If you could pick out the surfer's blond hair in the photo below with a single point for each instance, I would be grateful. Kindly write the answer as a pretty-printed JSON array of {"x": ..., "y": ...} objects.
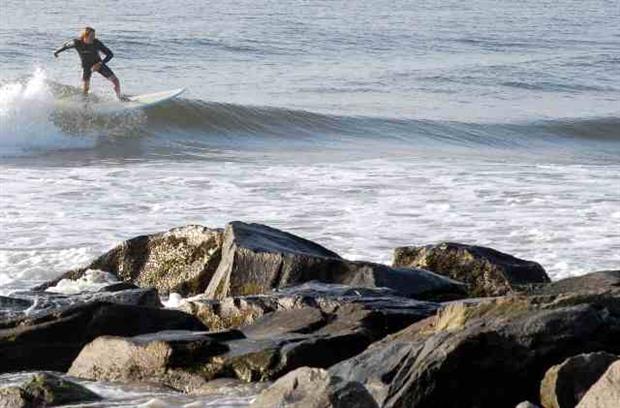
[{"x": 86, "y": 32}]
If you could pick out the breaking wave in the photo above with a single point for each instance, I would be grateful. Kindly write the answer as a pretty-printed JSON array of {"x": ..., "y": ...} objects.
[{"x": 31, "y": 123}]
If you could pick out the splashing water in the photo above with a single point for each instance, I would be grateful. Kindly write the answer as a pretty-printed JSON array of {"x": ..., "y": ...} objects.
[{"x": 26, "y": 118}]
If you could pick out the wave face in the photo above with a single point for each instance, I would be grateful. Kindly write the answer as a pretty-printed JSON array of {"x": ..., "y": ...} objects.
[{"x": 43, "y": 118}]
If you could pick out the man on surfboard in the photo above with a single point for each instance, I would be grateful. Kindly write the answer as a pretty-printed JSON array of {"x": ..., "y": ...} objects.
[{"x": 88, "y": 47}]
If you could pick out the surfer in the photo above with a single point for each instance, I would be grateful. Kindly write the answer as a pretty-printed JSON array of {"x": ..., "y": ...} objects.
[{"x": 88, "y": 47}]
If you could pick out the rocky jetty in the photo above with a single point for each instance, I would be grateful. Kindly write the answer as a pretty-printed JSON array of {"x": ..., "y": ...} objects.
[
  {"x": 449, "y": 325},
  {"x": 279, "y": 341}
]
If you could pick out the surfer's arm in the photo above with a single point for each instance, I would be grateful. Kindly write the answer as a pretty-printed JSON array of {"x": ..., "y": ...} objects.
[
  {"x": 108, "y": 53},
  {"x": 68, "y": 45}
]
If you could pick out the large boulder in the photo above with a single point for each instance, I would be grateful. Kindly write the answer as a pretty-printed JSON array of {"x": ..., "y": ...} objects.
[
  {"x": 565, "y": 384},
  {"x": 50, "y": 340},
  {"x": 171, "y": 358},
  {"x": 605, "y": 393},
  {"x": 45, "y": 390},
  {"x": 181, "y": 260},
  {"x": 488, "y": 353},
  {"x": 313, "y": 388},
  {"x": 487, "y": 272},
  {"x": 257, "y": 258}
]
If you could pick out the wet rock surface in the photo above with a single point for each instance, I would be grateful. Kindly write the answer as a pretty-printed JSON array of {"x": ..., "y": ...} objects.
[
  {"x": 30, "y": 304},
  {"x": 487, "y": 272}
]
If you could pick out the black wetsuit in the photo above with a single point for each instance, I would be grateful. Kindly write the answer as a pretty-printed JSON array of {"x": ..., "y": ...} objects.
[{"x": 89, "y": 54}]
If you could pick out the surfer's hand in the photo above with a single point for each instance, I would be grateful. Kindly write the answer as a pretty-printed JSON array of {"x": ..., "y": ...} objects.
[
  {"x": 55, "y": 54},
  {"x": 96, "y": 66}
]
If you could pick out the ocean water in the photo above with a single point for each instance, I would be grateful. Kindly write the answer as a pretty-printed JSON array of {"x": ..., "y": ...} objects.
[{"x": 362, "y": 125}]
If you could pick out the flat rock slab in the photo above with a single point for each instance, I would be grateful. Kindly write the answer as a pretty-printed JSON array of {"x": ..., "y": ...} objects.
[
  {"x": 602, "y": 280},
  {"x": 181, "y": 260},
  {"x": 565, "y": 384},
  {"x": 487, "y": 272},
  {"x": 32, "y": 304}
]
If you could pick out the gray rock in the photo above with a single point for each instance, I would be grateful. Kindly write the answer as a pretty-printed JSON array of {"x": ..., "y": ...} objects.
[
  {"x": 603, "y": 280},
  {"x": 51, "y": 340},
  {"x": 181, "y": 260},
  {"x": 605, "y": 393},
  {"x": 313, "y": 388},
  {"x": 484, "y": 354},
  {"x": 257, "y": 258},
  {"x": 565, "y": 384},
  {"x": 271, "y": 346},
  {"x": 487, "y": 272},
  {"x": 235, "y": 312},
  {"x": 33, "y": 303},
  {"x": 45, "y": 390},
  {"x": 173, "y": 358}
]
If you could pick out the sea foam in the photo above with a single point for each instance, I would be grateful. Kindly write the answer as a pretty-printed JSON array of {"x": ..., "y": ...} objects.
[
  {"x": 91, "y": 281},
  {"x": 27, "y": 123}
]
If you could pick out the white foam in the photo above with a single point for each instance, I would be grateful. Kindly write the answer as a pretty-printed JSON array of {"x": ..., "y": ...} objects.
[
  {"x": 26, "y": 118},
  {"x": 91, "y": 281},
  {"x": 360, "y": 209},
  {"x": 173, "y": 301}
]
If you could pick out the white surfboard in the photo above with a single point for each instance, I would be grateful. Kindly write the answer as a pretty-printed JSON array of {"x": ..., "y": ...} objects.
[
  {"x": 143, "y": 101},
  {"x": 113, "y": 106}
]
